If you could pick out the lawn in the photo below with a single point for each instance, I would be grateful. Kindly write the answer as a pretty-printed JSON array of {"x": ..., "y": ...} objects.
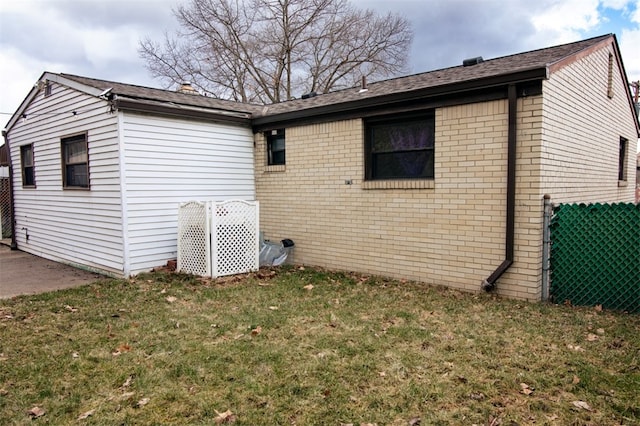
[{"x": 303, "y": 346}]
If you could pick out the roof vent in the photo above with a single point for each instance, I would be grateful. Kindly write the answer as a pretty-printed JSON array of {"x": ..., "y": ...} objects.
[
  {"x": 363, "y": 88},
  {"x": 309, "y": 95},
  {"x": 186, "y": 87},
  {"x": 472, "y": 61}
]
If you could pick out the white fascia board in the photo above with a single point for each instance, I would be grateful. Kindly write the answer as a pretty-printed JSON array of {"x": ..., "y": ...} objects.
[
  {"x": 56, "y": 78},
  {"x": 38, "y": 86}
]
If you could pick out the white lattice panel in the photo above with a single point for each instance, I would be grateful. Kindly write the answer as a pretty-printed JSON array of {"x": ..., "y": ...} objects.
[
  {"x": 194, "y": 244},
  {"x": 235, "y": 239}
]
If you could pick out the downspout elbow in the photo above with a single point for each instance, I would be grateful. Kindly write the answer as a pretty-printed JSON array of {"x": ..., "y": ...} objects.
[{"x": 489, "y": 284}]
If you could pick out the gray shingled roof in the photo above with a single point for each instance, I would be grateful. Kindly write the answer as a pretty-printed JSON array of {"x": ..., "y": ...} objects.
[
  {"x": 166, "y": 96},
  {"x": 443, "y": 79},
  {"x": 503, "y": 66}
]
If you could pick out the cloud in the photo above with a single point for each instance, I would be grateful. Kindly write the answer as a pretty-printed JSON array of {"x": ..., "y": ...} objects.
[
  {"x": 91, "y": 38},
  {"x": 99, "y": 38},
  {"x": 564, "y": 21}
]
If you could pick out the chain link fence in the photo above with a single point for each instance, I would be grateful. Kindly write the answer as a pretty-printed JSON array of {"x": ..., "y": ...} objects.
[
  {"x": 5, "y": 199},
  {"x": 595, "y": 255}
]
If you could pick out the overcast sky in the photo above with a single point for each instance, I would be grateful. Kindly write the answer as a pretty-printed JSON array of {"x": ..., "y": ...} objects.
[{"x": 99, "y": 38}]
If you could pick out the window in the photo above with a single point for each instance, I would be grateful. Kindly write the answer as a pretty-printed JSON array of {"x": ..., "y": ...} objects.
[
  {"x": 400, "y": 147},
  {"x": 622, "y": 160},
  {"x": 75, "y": 162},
  {"x": 26, "y": 160},
  {"x": 610, "y": 77},
  {"x": 275, "y": 147}
]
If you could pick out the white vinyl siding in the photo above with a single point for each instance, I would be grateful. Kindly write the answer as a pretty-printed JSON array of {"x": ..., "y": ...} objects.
[
  {"x": 170, "y": 161},
  {"x": 80, "y": 227}
]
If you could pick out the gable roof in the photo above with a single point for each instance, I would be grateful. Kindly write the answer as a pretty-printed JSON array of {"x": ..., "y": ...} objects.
[
  {"x": 145, "y": 99},
  {"x": 535, "y": 65},
  {"x": 490, "y": 75},
  {"x": 141, "y": 93}
]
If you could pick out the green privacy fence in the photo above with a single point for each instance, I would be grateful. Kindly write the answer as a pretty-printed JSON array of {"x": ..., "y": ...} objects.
[{"x": 595, "y": 255}]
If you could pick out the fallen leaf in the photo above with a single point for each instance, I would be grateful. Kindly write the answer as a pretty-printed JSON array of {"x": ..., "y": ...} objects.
[
  {"x": 494, "y": 421},
  {"x": 121, "y": 349},
  {"x": 70, "y": 308},
  {"x": 382, "y": 374},
  {"x": 600, "y": 331},
  {"x": 592, "y": 337},
  {"x": 226, "y": 417},
  {"x": 414, "y": 421},
  {"x": 36, "y": 412},
  {"x": 582, "y": 404},
  {"x": 552, "y": 417},
  {"x": 163, "y": 291},
  {"x": 598, "y": 308},
  {"x": 526, "y": 389},
  {"x": 256, "y": 331},
  {"x": 142, "y": 402},
  {"x": 3, "y": 392},
  {"x": 127, "y": 382},
  {"x": 575, "y": 348},
  {"x": 75, "y": 355},
  {"x": 575, "y": 380},
  {"x": 171, "y": 299},
  {"x": 301, "y": 268},
  {"x": 86, "y": 414},
  {"x": 126, "y": 395},
  {"x": 308, "y": 287}
]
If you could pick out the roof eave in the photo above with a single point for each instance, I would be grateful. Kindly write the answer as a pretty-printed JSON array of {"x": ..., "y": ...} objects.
[
  {"x": 182, "y": 111},
  {"x": 23, "y": 105},
  {"x": 532, "y": 74},
  {"x": 48, "y": 76}
]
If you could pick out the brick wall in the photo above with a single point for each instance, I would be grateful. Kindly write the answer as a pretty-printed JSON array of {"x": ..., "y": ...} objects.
[
  {"x": 582, "y": 130},
  {"x": 447, "y": 231}
]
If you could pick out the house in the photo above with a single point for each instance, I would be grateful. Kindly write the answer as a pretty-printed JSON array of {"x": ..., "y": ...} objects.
[
  {"x": 440, "y": 177},
  {"x": 101, "y": 167},
  {"x": 437, "y": 177}
]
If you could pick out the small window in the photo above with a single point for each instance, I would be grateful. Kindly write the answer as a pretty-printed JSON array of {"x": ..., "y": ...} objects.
[
  {"x": 275, "y": 147},
  {"x": 26, "y": 160},
  {"x": 75, "y": 162},
  {"x": 610, "y": 77},
  {"x": 47, "y": 89},
  {"x": 400, "y": 147},
  {"x": 622, "y": 160}
]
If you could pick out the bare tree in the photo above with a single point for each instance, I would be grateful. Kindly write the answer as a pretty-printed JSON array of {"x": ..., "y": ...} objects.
[{"x": 267, "y": 51}]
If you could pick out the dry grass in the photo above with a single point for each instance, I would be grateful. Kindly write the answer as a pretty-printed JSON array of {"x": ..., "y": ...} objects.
[{"x": 310, "y": 347}]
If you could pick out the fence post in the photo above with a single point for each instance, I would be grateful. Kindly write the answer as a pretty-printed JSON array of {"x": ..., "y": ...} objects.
[{"x": 546, "y": 246}]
